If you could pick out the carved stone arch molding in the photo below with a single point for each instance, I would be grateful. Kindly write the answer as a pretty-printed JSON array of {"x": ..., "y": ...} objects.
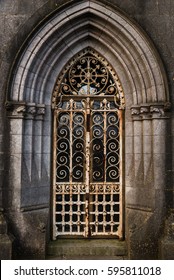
[{"x": 124, "y": 45}]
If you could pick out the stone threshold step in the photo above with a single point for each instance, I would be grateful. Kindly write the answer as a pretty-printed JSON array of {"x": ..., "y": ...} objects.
[
  {"x": 79, "y": 248},
  {"x": 86, "y": 257}
]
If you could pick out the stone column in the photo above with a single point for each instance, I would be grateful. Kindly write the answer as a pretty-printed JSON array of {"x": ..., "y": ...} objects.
[
  {"x": 32, "y": 194},
  {"x": 16, "y": 112},
  {"x": 148, "y": 174},
  {"x": 164, "y": 210},
  {"x": 12, "y": 193},
  {"x": 6, "y": 240},
  {"x": 145, "y": 214},
  {"x": 159, "y": 123},
  {"x": 28, "y": 144},
  {"x": 26, "y": 215}
]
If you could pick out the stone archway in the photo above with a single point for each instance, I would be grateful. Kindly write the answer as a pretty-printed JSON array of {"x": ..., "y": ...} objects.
[{"x": 139, "y": 68}]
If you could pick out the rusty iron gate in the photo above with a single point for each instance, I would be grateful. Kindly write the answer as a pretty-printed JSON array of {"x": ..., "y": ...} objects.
[{"x": 87, "y": 167}]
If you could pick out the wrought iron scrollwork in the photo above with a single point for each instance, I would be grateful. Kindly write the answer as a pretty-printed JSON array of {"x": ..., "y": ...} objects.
[
  {"x": 89, "y": 74},
  {"x": 63, "y": 147},
  {"x": 78, "y": 144},
  {"x": 88, "y": 77},
  {"x": 97, "y": 156},
  {"x": 105, "y": 144},
  {"x": 112, "y": 147}
]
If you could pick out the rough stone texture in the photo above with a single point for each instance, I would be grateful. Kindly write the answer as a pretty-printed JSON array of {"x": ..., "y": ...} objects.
[
  {"x": 88, "y": 249},
  {"x": 30, "y": 239},
  {"x": 18, "y": 19},
  {"x": 143, "y": 241},
  {"x": 5, "y": 247},
  {"x": 6, "y": 241},
  {"x": 166, "y": 244}
]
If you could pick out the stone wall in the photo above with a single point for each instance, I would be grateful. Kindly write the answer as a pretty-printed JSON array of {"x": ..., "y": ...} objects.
[{"x": 17, "y": 20}]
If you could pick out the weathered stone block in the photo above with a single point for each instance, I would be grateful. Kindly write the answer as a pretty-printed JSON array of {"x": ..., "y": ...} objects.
[
  {"x": 142, "y": 234},
  {"x": 166, "y": 249},
  {"x": 5, "y": 240},
  {"x": 140, "y": 197},
  {"x": 5, "y": 247},
  {"x": 30, "y": 241},
  {"x": 32, "y": 196},
  {"x": 129, "y": 144},
  {"x": 3, "y": 225},
  {"x": 98, "y": 248}
]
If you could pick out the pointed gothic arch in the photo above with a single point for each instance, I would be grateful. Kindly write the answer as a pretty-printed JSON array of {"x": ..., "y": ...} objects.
[
  {"x": 121, "y": 42},
  {"x": 99, "y": 26}
]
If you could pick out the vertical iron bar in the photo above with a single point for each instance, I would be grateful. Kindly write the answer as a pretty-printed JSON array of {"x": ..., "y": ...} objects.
[
  {"x": 88, "y": 75},
  {"x": 54, "y": 172},
  {"x": 71, "y": 159},
  {"x": 104, "y": 163},
  {"x": 87, "y": 172},
  {"x": 120, "y": 228},
  {"x": 104, "y": 143}
]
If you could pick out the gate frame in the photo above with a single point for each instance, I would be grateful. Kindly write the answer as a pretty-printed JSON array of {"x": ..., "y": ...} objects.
[{"x": 58, "y": 95}]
